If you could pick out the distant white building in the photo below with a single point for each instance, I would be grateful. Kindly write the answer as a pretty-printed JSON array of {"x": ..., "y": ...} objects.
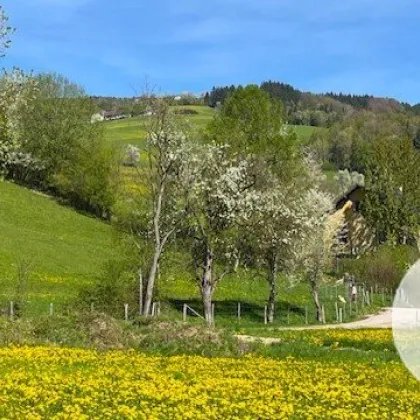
[
  {"x": 177, "y": 98},
  {"x": 98, "y": 117},
  {"x": 107, "y": 115}
]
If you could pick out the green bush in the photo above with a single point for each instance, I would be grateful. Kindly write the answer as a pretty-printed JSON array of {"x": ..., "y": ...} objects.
[{"x": 384, "y": 267}]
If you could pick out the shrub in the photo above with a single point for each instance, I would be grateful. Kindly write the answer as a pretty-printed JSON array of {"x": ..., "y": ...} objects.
[
  {"x": 384, "y": 267},
  {"x": 186, "y": 111}
]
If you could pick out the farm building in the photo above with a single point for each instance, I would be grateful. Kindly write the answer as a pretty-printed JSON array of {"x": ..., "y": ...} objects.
[
  {"x": 107, "y": 115},
  {"x": 356, "y": 236}
]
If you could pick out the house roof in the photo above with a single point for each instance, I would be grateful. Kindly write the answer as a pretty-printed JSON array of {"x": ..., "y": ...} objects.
[
  {"x": 343, "y": 198},
  {"x": 108, "y": 114}
]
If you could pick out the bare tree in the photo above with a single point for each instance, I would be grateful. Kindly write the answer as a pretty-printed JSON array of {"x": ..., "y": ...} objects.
[{"x": 158, "y": 195}]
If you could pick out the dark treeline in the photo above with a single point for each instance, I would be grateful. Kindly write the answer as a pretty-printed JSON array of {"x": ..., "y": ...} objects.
[{"x": 323, "y": 110}]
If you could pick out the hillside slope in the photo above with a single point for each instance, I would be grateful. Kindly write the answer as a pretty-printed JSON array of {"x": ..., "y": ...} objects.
[{"x": 62, "y": 248}]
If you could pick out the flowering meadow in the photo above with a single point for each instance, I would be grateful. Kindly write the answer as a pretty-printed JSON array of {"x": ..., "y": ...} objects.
[{"x": 60, "y": 383}]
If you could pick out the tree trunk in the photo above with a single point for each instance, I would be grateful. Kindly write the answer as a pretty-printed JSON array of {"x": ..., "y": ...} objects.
[
  {"x": 206, "y": 286},
  {"x": 151, "y": 282},
  {"x": 318, "y": 307},
  {"x": 272, "y": 279},
  {"x": 236, "y": 262}
]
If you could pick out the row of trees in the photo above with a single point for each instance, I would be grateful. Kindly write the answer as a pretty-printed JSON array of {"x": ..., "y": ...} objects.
[
  {"x": 347, "y": 144},
  {"x": 321, "y": 110},
  {"x": 245, "y": 194}
]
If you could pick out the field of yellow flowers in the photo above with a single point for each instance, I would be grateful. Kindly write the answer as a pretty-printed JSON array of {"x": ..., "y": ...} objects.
[{"x": 59, "y": 383}]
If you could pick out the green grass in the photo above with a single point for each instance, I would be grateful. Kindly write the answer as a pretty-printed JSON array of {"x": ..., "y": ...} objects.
[
  {"x": 132, "y": 130},
  {"x": 127, "y": 131},
  {"x": 64, "y": 249},
  {"x": 304, "y": 131}
]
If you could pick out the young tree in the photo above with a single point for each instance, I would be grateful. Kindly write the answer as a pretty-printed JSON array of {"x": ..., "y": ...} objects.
[
  {"x": 318, "y": 244},
  {"x": 277, "y": 217},
  {"x": 215, "y": 201},
  {"x": 158, "y": 197}
]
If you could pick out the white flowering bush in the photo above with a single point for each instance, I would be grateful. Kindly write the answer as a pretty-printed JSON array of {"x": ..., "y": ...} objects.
[
  {"x": 17, "y": 92},
  {"x": 132, "y": 155}
]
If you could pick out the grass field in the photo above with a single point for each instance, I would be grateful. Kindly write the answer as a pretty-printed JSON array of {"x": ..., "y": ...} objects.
[
  {"x": 64, "y": 249},
  {"x": 132, "y": 130}
]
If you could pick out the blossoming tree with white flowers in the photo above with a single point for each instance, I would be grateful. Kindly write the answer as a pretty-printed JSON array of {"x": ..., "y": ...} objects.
[
  {"x": 215, "y": 203},
  {"x": 17, "y": 91}
]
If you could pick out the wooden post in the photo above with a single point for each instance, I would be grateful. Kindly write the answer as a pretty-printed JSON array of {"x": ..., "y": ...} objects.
[
  {"x": 126, "y": 311},
  {"x": 336, "y": 312},
  {"x": 341, "y": 315},
  {"x": 323, "y": 314},
  {"x": 140, "y": 292},
  {"x": 51, "y": 308},
  {"x": 153, "y": 308},
  {"x": 306, "y": 314},
  {"x": 212, "y": 312},
  {"x": 11, "y": 310},
  {"x": 184, "y": 313},
  {"x": 344, "y": 310},
  {"x": 239, "y": 310},
  {"x": 265, "y": 314}
]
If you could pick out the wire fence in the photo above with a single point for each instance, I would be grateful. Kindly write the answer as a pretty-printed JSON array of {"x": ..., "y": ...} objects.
[{"x": 337, "y": 305}]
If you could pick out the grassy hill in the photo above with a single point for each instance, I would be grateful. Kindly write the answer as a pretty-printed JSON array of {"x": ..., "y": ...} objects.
[
  {"x": 62, "y": 248},
  {"x": 132, "y": 131}
]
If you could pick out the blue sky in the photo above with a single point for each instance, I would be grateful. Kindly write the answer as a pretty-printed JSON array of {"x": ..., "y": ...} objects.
[{"x": 110, "y": 47}]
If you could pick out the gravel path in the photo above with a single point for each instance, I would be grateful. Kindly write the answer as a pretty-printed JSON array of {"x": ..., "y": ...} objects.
[{"x": 381, "y": 320}]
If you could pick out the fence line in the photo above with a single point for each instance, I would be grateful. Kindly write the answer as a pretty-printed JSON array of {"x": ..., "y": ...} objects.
[{"x": 337, "y": 305}]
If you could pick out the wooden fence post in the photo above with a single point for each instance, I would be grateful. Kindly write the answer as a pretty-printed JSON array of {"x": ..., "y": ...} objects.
[
  {"x": 51, "y": 308},
  {"x": 184, "y": 313},
  {"x": 212, "y": 312},
  {"x": 306, "y": 314},
  {"x": 126, "y": 311},
  {"x": 11, "y": 310},
  {"x": 336, "y": 312},
  {"x": 265, "y": 314},
  {"x": 341, "y": 315},
  {"x": 239, "y": 310},
  {"x": 140, "y": 292}
]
